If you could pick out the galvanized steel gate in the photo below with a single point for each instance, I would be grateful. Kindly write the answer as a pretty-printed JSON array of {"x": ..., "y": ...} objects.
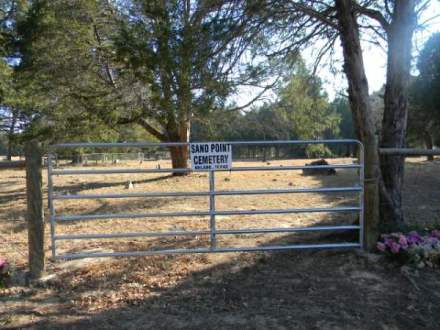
[{"x": 211, "y": 212}]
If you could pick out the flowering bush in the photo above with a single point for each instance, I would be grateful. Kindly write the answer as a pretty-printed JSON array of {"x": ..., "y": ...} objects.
[
  {"x": 4, "y": 271},
  {"x": 412, "y": 247}
]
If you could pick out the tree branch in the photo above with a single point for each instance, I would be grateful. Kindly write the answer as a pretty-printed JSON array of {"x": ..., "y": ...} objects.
[
  {"x": 265, "y": 89},
  {"x": 321, "y": 16},
  {"x": 152, "y": 130},
  {"x": 374, "y": 14}
]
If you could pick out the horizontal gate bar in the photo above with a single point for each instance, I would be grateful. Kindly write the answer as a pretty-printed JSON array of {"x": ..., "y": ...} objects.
[
  {"x": 287, "y": 191},
  {"x": 207, "y": 193},
  {"x": 207, "y": 232},
  {"x": 187, "y": 170},
  {"x": 128, "y": 215},
  {"x": 176, "y": 144},
  {"x": 207, "y": 250},
  {"x": 286, "y": 211},
  {"x": 188, "y": 214},
  {"x": 131, "y": 195}
]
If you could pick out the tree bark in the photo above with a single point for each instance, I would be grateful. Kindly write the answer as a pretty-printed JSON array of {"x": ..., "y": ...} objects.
[
  {"x": 179, "y": 158},
  {"x": 9, "y": 152},
  {"x": 399, "y": 32},
  {"x": 76, "y": 158},
  {"x": 180, "y": 154},
  {"x": 360, "y": 107}
]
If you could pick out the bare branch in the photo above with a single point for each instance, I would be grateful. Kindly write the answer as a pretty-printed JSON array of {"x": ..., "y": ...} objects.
[
  {"x": 265, "y": 89},
  {"x": 321, "y": 16},
  {"x": 374, "y": 14}
]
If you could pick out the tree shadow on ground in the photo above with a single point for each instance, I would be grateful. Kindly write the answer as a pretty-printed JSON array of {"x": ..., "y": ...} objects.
[
  {"x": 12, "y": 196},
  {"x": 77, "y": 188},
  {"x": 19, "y": 195},
  {"x": 297, "y": 289}
]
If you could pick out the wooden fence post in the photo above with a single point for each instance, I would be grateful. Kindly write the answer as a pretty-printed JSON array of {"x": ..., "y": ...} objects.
[{"x": 35, "y": 213}]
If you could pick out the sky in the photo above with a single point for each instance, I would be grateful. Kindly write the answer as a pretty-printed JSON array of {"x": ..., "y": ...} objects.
[{"x": 374, "y": 61}]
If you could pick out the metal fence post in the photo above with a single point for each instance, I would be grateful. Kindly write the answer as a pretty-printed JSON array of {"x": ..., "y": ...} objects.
[
  {"x": 50, "y": 156},
  {"x": 361, "y": 195},
  {"x": 212, "y": 209}
]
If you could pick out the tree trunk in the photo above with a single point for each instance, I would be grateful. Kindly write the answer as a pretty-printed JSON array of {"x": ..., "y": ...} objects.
[
  {"x": 179, "y": 158},
  {"x": 348, "y": 152},
  {"x": 180, "y": 155},
  {"x": 9, "y": 154},
  {"x": 399, "y": 34},
  {"x": 11, "y": 135},
  {"x": 429, "y": 143},
  {"x": 360, "y": 107},
  {"x": 76, "y": 158}
]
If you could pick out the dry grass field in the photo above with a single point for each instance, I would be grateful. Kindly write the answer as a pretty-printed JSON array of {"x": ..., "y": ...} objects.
[
  {"x": 297, "y": 289},
  {"x": 163, "y": 182}
]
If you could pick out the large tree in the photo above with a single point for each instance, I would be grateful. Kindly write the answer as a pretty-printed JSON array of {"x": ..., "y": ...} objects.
[
  {"x": 391, "y": 23},
  {"x": 62, "y": 77},
  {"x": 398, "y": 23},
  {"x": 12, "y": 117},
  {"x": 305, "y": 106},
  {"x": 158, "y": 64},
  {"x": 190, "y": 53}
]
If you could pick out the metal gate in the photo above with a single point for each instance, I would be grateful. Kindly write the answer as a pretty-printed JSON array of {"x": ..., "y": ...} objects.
[{"x": 213, "y": 233}]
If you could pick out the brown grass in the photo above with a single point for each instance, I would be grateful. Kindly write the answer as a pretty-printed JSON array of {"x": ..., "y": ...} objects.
[
  {"x": 193, "y": 290},
  {"x": 12, "y": 211},
  {"x": 421, "y": 196}
]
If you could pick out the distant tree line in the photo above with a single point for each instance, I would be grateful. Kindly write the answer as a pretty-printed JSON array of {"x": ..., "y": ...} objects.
[{"x": 301, "y": 111}]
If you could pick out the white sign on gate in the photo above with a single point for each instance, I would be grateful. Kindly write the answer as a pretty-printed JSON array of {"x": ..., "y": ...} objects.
[{"x": 211, "y": 155}]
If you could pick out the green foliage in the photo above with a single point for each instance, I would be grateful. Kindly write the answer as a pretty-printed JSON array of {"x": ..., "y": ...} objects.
[
  {"x": 188, "y": 56},
  {"x": 341, "y": 107},
  {"x": 5, "y": 81},
  {"x": 302, "y": 111},
  {"x": 428, "y": 82},
  {"x": 318, "y": 151},
  {"x": 61, "y": 79},
  {"x": 303, "y": 103},
  {"x": 424, "y": 110},
  {"x": 88, "y": 67},
  {"x": 60, "y": 82}
]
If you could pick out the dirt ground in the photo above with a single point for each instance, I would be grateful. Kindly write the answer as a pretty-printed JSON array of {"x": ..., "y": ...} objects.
[{"x": 296, "y": 289}]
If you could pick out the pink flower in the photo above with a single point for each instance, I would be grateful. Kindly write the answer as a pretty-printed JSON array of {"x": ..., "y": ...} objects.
[
  {"x": 403, "y": 242},
  {"x": 3, "y": 262},
  {"x": 380, "y": 246},
  {"x": 388, "y": 242},
  {"x": 435, "y": 233},
  {"x": 395, "y": 247}
]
